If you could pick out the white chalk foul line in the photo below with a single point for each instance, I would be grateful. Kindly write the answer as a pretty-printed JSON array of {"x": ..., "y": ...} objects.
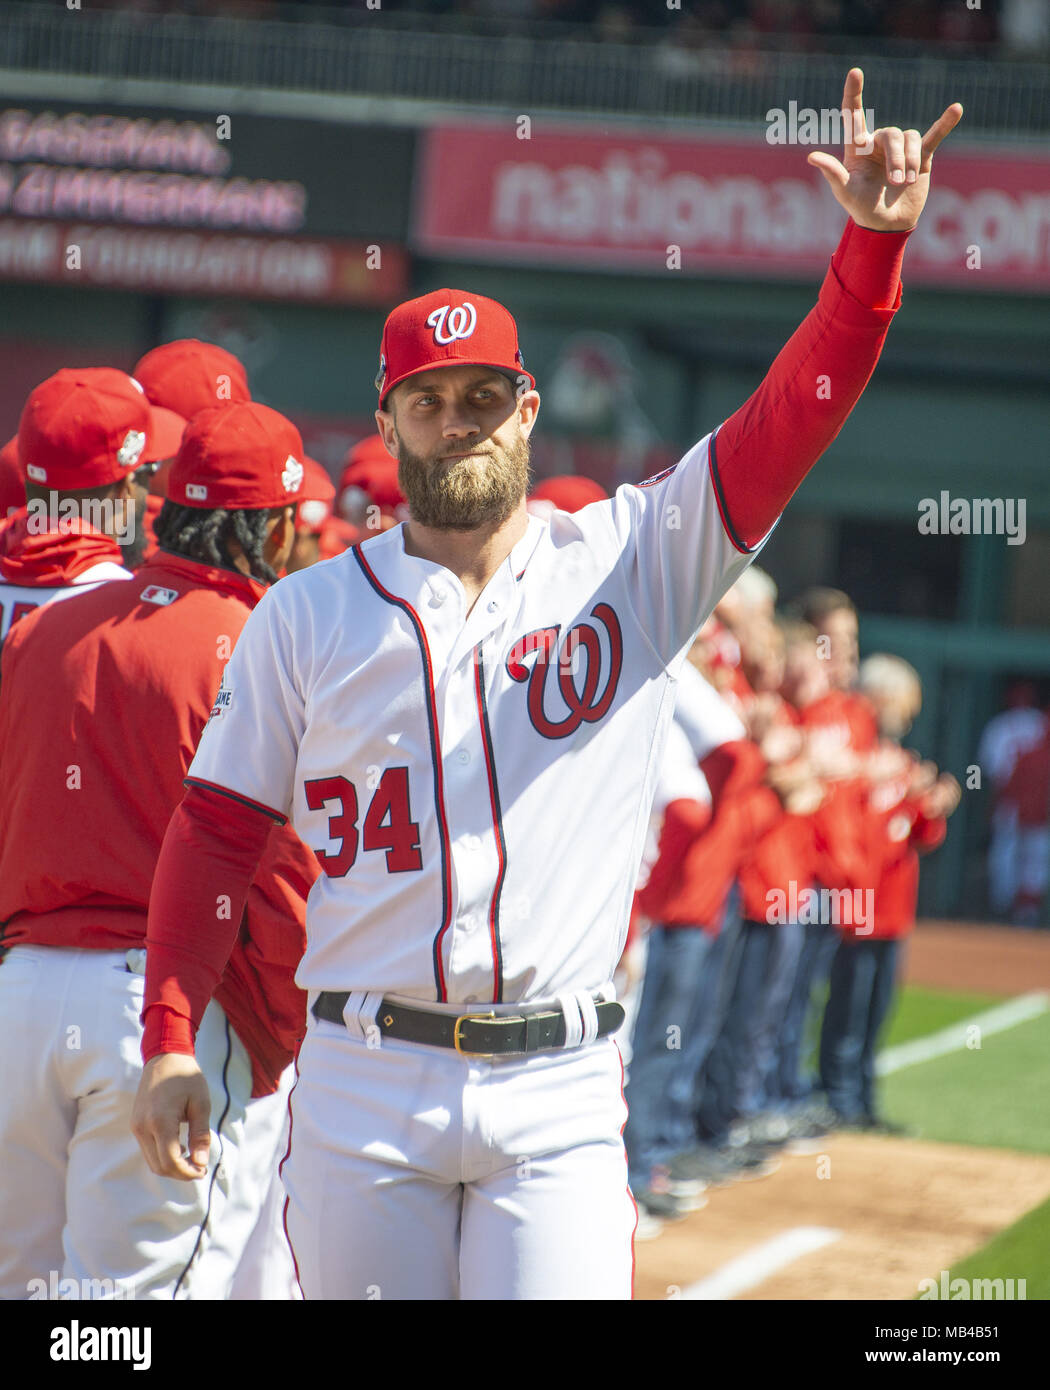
[
  {"x": 755, "y": 1266},
  {"x": 955, "y": 1037}
]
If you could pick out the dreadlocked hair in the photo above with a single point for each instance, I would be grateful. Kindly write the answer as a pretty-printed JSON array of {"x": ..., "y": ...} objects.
[{"x": 204, "y": 535}]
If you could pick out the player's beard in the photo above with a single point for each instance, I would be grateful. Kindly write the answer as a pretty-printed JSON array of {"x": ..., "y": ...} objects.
[{"x": 468, "y": 493}]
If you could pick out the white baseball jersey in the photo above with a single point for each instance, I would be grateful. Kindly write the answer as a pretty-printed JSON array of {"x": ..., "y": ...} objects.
[
  {"x": 477, "y": 787},
  {"x": 702, "y": 722},
  {"x": 705, "y": 718},
  {"x": 16, "y": 600}
]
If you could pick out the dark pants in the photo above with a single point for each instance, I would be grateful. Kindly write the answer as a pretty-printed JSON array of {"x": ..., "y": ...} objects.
[
  {"x": 671, "y": 1024},
  {"x": 793, "y": 1081},
  {"x": 743, "y": 1057},
  {"x": 863, "y": 981}
]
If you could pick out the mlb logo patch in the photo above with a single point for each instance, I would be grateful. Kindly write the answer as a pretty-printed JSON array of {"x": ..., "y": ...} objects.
[
  {"x": 153, "y": 593},
  {"x": 197, "y": 491}
]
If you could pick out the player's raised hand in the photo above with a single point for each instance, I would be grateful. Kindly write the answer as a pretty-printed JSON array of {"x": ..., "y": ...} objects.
[
  {"x": 173, "y": 1092},
  {"x": 884, "y": 176}
]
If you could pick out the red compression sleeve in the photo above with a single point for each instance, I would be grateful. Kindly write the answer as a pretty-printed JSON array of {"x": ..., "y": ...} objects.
[
  {"x": 210, "y": 853},
  {"x": 765, "y": 449}
]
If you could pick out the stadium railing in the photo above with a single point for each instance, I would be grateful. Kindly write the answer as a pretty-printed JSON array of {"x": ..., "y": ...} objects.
[{"x": 381, "y": 56}]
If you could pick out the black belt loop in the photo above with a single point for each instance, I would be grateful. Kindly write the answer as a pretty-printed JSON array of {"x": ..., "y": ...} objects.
[{"x": 472, "y": 1034}]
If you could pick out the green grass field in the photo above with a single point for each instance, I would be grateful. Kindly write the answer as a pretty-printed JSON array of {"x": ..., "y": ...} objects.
[
  {"x": 1022, "y": 1251},
  {"x": 997, "y": 1096},
  {"x": 920, "y": 1012}
]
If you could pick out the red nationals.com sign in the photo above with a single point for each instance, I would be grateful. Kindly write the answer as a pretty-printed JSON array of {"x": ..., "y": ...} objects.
[{"x": 735, "y": 205}]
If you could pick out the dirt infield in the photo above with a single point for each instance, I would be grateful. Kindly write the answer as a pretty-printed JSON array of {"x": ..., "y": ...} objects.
[
  {"x": 986, "y": 960},
  {"x": 899, "y": 1210}
]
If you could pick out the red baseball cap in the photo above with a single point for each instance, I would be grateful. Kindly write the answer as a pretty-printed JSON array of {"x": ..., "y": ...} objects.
[
  {"x": 12, "y": 480},
  {"x": 318, "y": 492},
  {"x": 371, "y": 469},
  {"x": 449, "y": 328},
  {"x": 165, "y": 435},
  {"x": 568, "y": 492},
  {"x": 84, "y": 427},
  {"x": 188, "y": 375},
  {"x": 241, "y": 456}
]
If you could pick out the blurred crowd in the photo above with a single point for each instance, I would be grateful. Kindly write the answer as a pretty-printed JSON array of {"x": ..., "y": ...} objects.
[
  {"x": 778, "y": 887},
  {"x": 1013, "y": 27}
]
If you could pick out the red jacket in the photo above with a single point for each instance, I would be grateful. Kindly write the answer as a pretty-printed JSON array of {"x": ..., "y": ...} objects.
[
  {"x": 701, "y": 848},
  {"x": 102, "y": 703},
  {"x": 36, "y": 566},
  {"x": 1028, "y": 786},
  {"x": 900, "y": 832},
  {"x": 847, "y": 715},
  {"x": 786, "y": 853}
]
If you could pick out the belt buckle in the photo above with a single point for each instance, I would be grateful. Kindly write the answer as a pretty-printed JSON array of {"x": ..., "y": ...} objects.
[{"x": 457, "y": 1043}]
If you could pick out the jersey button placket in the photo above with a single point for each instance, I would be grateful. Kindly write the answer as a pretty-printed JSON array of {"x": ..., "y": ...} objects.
[{"x": 475, "y": 865}]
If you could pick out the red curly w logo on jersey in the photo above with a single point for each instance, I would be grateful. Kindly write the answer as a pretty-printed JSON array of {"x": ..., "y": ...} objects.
[{"x": 582, "y": 647}]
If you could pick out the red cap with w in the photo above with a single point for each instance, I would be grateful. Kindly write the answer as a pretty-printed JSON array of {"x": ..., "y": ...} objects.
[{"x": 449, "y": 328}]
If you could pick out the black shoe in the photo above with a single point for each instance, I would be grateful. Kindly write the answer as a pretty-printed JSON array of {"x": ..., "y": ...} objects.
[
  {"x": 876, "y": 1124},
  {"x": 746, "y": 1134},
  {"x": 703, "y": 1164},
  {"x": 750, "y": 1161},
  {"x": 661, "y": 1204}
]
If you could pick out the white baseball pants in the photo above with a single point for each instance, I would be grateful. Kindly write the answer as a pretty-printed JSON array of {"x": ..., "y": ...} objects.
[
  {"x": 416, "y": 1173},
  {"x": 81, "y": 1214}
]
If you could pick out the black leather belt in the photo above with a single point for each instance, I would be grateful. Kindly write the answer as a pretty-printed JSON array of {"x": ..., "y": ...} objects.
[{"x": 472, "y": 1034}]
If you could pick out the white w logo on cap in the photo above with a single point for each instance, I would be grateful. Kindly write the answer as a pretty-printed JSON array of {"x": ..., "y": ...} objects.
[{"x": 461, "y": 322}]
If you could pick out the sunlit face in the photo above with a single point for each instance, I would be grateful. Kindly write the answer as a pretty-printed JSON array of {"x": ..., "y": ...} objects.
[
  {"x": 763, "y": 655},
  {"x": 841, "y": 629},
  {"x": 897, "y": 710},
  {"x": 805, "y": 675},
  {"x": 461, "y": 438}
]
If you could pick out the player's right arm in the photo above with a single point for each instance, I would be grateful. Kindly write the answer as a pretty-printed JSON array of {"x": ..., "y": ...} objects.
[
  {"x": 238, "y": 786},
  {"x": 686, "y": 535}
]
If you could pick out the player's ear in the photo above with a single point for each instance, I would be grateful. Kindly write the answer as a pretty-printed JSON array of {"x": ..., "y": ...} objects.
[
  {"x": 280, "y": 537},
  {"x": 528, "y": 409},
  {"x": 386, "y": 427}
]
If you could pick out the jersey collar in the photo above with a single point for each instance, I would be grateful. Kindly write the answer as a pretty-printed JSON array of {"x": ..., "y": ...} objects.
[{"x": 202, "y": 575}]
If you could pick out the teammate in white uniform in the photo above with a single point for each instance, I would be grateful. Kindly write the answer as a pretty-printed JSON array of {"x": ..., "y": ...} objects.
[{"x": 464, "y": 717}]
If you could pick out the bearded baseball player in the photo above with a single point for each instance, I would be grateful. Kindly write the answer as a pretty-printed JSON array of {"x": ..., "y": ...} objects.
[{"x": 464, "y": 716}]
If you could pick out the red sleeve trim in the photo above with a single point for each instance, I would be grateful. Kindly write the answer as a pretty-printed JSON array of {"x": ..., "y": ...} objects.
[
  {"x": 236, "y": 796},
  {"x": 868, "y": 266},
  {"x": 723, "y": 511}
]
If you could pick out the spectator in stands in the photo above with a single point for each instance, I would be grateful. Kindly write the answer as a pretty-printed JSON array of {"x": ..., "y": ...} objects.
[
  {"x": 1005, "y": 738},
  {"x": 1027, "y": 793}
]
